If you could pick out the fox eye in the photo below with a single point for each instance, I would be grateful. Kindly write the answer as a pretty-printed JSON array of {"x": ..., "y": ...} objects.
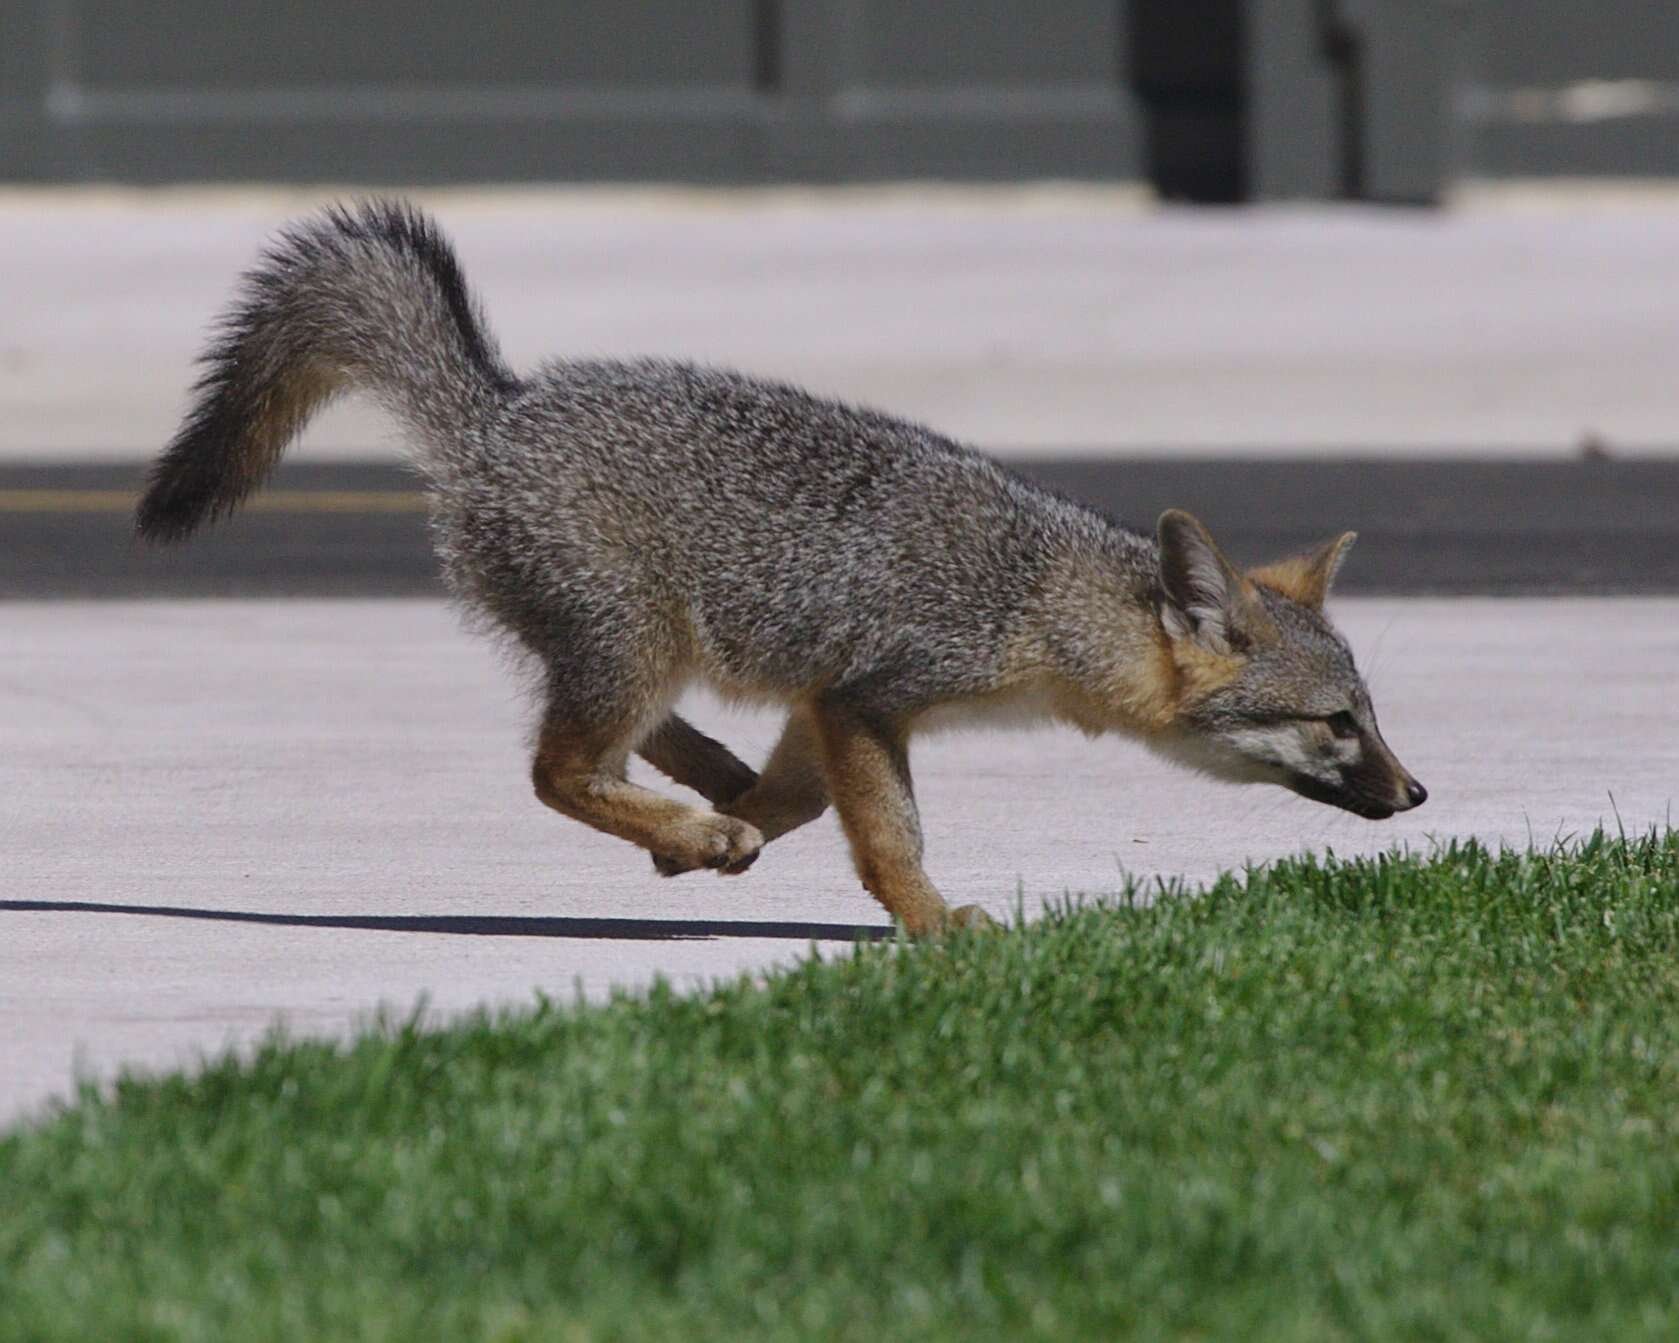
[{"x": 1342, "y": 724}]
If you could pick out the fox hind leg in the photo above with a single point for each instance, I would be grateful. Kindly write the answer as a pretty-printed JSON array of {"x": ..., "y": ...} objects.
[{"x": 579, "y": 772}]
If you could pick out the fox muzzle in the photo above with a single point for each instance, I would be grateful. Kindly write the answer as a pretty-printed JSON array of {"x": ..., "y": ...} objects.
[{"x": 1362, "y": 797}]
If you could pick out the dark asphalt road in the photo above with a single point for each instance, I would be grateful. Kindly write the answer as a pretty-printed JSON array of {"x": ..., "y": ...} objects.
[{"x": 1590, "y": 527}]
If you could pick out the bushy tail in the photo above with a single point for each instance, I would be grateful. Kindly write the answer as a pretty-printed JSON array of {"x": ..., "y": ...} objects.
[{"x": 369, "y": 297}]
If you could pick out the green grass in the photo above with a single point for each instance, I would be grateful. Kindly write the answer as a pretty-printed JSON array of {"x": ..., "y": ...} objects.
[{"x": 1411, "y": 1098}]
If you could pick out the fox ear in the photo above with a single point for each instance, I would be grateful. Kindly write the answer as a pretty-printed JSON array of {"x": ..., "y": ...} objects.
[
  {"x": 1306, "y": 578},
  {"x": 1204, "y": 598}
]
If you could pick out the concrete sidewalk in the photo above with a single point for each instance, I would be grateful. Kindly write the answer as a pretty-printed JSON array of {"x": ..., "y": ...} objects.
[
  {"x": 1054, "y": 319},
  {"x": 219, "y": 815}
]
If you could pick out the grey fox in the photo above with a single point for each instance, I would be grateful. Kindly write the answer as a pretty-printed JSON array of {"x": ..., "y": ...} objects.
[{"x": 643, "y": 526}]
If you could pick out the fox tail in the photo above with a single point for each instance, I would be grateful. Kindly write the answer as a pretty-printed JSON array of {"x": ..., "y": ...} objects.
[{"x": 367, "y": 297}]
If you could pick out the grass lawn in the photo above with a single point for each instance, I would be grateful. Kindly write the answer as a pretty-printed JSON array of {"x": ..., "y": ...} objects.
[{"x": 1413, "y": 1098}]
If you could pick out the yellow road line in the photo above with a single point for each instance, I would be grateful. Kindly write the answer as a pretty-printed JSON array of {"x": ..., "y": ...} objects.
[{"x": 269, "y": 501}]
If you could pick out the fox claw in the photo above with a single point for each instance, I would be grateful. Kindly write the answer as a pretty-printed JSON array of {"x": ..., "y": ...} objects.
[
  {"x": 728, "y": 849},
  {"x": 739, "y": 865}
]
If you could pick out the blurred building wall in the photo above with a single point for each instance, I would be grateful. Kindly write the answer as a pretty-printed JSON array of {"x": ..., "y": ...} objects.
[
  {"x": 1572, "y": 87},
  {"x": 725, "y": 91},
  {"x": 1212, "y": 99}
]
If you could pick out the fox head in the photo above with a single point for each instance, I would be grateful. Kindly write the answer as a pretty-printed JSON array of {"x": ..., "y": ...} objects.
[{"x": 1272, "y": 694}]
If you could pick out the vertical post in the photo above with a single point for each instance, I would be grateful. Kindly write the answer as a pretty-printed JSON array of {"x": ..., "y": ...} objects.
[
  {"x": 1186, "y": 68},
  {"x": 1295, "y": 118},
  {"x": 802, "y": 141},
  {"x": 1407, "y": 58}
]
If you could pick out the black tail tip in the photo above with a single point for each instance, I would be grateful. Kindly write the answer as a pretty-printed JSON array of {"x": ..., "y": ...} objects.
[
  {"x": 161, "y": 526},
  {"x": 174, "y": 506}
]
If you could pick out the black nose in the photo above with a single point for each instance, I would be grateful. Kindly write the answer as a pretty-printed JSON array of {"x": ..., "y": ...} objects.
[{"x": 1416, "y": 792}]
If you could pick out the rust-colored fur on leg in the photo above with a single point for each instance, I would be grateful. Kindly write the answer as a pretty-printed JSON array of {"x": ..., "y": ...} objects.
[
  {"x": 581, "y": 774},
  {"x": 791, "y": 791},
  {"x": 867, "y": 764}
]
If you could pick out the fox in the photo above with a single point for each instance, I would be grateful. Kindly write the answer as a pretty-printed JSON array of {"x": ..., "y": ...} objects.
[{"x": 642, "y": 527}]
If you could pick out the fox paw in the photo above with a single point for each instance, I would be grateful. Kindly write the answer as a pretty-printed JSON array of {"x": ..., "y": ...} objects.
[
  {"x": 972, "y": 916},
  {"x": 722, "y": 845},
  {"x": 937, "y": 922}
]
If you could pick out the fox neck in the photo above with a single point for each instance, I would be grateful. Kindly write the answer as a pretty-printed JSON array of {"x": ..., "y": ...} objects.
[{"x": 1112, "y": 665}]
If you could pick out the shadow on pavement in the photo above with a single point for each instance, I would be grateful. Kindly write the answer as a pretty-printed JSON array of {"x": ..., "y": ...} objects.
[{"x": 487, "y": 925}]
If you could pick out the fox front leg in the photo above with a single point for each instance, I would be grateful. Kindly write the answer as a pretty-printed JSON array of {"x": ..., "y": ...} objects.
[
  {"x": 792, "y": 790},
  {"x": 789, "y": 793},
  {"x": 681, "y": 752},
  {"x": 867, "y": 767}
]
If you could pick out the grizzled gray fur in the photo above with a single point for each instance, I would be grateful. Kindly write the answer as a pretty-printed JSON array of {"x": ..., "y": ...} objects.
[{"x": 641, "y": 526}]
